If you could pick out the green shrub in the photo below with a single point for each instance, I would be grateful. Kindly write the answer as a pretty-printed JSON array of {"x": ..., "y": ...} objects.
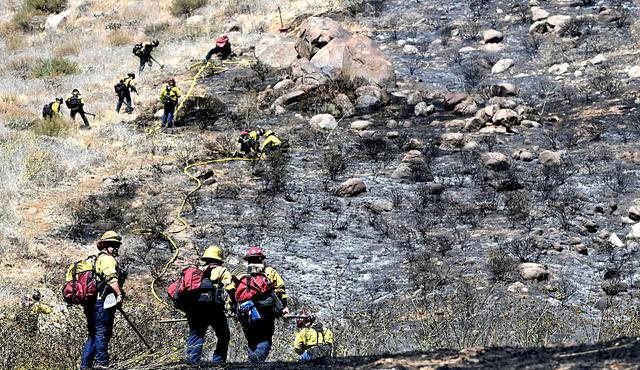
[
  {"x": 54, "y": 67},
  {"x": 186, "y": 7},
  {"x": 47, "y": 6},
  {"x": 24, "y": 19},
  {"x": 57, "y": 126}
]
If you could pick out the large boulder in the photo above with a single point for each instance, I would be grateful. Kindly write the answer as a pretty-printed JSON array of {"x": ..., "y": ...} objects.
[
  {"x": 495, "y": 161},
  {"x": 329, "y": 58},
  {"x": 533, "y": 271},
  {"x": 322, "y": 122},
  {"x": 492, "y": 36},
  {"x": 315, "y": 33},
  {"x": 275, "y": 51},
  {"x": 452, "y": 99},
  {"x": 364, "y": 63},
  {"x": 501, "y": 66},
  {"x": 351, "y": 187},
  {"x": 306, "y": 73},
  {"x": 505, "y": 117}
]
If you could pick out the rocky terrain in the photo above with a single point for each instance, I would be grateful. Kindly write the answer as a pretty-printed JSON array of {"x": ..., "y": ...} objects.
[{"x": 457, "y": 175}]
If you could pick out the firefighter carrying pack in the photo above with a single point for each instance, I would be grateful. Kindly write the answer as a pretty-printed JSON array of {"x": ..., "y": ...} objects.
[
  {"x": 194, "y": 287},
  {"x": 120, "y": 89},
  {"x": 73, "y": 102},
  {"x": 47, "y": 111},
  {"x": 138, "y": 50},
  {"x": 255, "y": 295},
  {"x": 81, "y": 286}
]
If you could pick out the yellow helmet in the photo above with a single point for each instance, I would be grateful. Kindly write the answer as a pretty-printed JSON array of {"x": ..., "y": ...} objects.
[
  {"x": 213, "y": 252},
  {"x": 109, "y": 237}
]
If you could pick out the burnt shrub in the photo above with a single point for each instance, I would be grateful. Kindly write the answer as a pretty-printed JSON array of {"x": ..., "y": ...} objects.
[
  {"x": 604, "y": 80},
  {"x": 272, "y": 172},
  {"x": 502, "y": 266},
  {"x": 186, "y": 7},
  {"x": 471, "y": 74},
  {"x": 616, "y": 177},
  {"x": 334, "y": 163},
  {"x": 525, "y": 249}
]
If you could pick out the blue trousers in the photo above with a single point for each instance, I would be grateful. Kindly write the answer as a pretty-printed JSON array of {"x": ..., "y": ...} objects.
[
  {"x": 199, "y": 321},
  {"x": 100, "y": 326},
  {"x": 167, "y": 116},
  {"x": 259, "y": 337}
]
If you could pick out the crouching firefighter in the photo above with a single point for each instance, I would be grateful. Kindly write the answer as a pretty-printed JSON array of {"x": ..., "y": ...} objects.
[
  {"x": 261, "y": 297},
  {"x": 271, "y": 141},
  {"x": 109, "y": 280},
  {"x": 249, "y": 141},
  {"x": 52, "y": 109},
  {"x": 313, "y": 341}
]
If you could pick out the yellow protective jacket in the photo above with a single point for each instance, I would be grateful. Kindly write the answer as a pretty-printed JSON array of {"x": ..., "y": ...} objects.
[
  {"x": 278, "y": 283},
  {"x": 253, "y": 135},
  {"x": 128, "y": 82},
  {"x": 220, "y": 275},
  {"x": 310, "y": 337},
  {"x": 174, "y": 93},
  {"x": 271, "y": 141},
  {"x": 106, "y": 269},
  {"x": 55, "y": 107}
]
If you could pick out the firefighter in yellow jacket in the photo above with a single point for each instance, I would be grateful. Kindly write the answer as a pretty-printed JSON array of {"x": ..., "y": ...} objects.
[
  {"x": 210, "y": 310},
  {"x": 169, "y": 97},
  {"x": 313, "y": 341},
  {"x": 271, "y": 141},
  {"x": 100, "y": 319}
]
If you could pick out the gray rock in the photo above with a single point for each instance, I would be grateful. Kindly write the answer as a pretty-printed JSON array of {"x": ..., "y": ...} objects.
[
  {"x": 492, "y": 36},
  {"x": 452, "y": 141},
  {"x": 414, "y": 97},
  {"x": 549, "y": 158},
  {"x": 634, "y": 211},
  {"x": 381, "y": 205},
  {"x": 346, "y": 107},
  {"x": 558, "y": 69},
  {"x": 466, "y": 107},
  {"x": 538, "y": 27},
  {"x": 505, "y": 117},
  {"x": 452, "y": 99},
  {"x": 370, "y": 96},
  {"x": 275, "y": 51},
  {"x": 422, "y": 109},
  {"x": 533, "y": 271},
  {"x": 501, "y": 66},
  {"x": 322, "y": 122},
  {"x": 495, "y": 161},
  {"x": 538, "y": 14},
  {"x": 315, "y": 33},
  {"x": 364, "y": 62},
  {"x": 351, "y": 187},
  {"x": 306, "y": 73},
  {"x": 360, "y": 125},
  {"x": 410, "y": 50}
]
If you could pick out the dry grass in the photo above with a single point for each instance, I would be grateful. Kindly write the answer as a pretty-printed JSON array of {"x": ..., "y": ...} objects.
[
  {"x": 119, "y": 38},
  {"x": 66, "y": 49}
]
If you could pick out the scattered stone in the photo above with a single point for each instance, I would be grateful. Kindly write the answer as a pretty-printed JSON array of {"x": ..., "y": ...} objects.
[
  {"x": 474, "y": 123},
  {"x": 590, "y": 225},
  {"x": 634, "y": 211},
  {"x": 283, "y": 85},
  {"x": 409, "y": 50},
  {"x": 393, "y": 134},
  {"x": 557, "y": 22},
  {"x": 581, "y": 249},
  {"x": 533, "y": 271},
  {"x": 466, "y": 107},
  {"x": 518, "y": 288},
  {"x": 615, "y": 240},
  {"x": 608, "y": 15},
  {"x": 194, "y": 19},
  {"x": 529, "y": 124},
  {"x": 346, "y": 107},
  {"x": 523, "y": 155},
  {"x": 422, "y": 109},
  {"x": 367, "y": 134},
  {"x": 505, "y": 117},
  {"x": 413, "y": 144},
  {"x": 360, "y": 125},
  {"x": 351, "y": 187},
  {"x": 492, "y": 36},
  {"x": 414, "y": 97},
  {"x": 635, "y": 232},
  {"x": 452, "y": 141},
  {"x": 634, "y": 72},
  {"x": 322, "y": 122},
  {"x": 501, "y": 66},
  {"x": 575, "y": 240},
  {"x": 414, "y": 157},
  {"x": 467, "y": 49},
  {"x": 403, "y": 171},
  {"x": 363, "y": 61},
  {"x": 538, "y": 27},
  {"x": 392, "y": 123},
  {"x": 452, "y": 99},
  {"x": 538, "y": 14},
  {"x": 598, "y": 59},
  {"x": 549, "y": 158},
  {"x": 315, "y": 33},
  {"x": 558, "y": 69},
  {"x": 381, "y": 205},
  {"x": 495, "y": 161},
  {"x": 279, "y": 110},
  {"x": 275, "y": 51},
  {"x": 371, "y": 96},
  {"x": 289, "y": 98}
]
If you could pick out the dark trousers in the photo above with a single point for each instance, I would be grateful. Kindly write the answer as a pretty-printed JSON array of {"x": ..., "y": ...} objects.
[
  {"x": 143, "y": 62},
  {"x": 167, "y": 116},
  {"x": 100, "y": 326},
  {"x": 199, "y": 321},
  {"x": 259, "y": 337},
  {"x": 80, "y": 111},
  {"x": 124, "y": 98}
]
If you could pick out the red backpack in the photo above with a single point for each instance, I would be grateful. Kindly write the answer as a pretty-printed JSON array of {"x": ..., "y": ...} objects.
[
  {"x": 253, "y": 286},
  {"x": 81, "y": 286},
  {"x": 193, "y": 287}
]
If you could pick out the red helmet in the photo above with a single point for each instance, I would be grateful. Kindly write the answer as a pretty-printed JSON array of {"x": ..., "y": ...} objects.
[
  {"x": 222, "y": 40},
  {"x": 301, "y": 322},
  {"x": 254, "y": 252},
  {"x": 171, "y": 80}
]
